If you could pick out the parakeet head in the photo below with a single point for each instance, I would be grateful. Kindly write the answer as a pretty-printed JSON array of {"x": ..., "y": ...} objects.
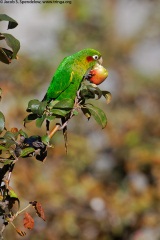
[
  {"x": 89, "y": 57},
  {"x": 85, "y": 60},
  {"x": 90, "y": 60}
]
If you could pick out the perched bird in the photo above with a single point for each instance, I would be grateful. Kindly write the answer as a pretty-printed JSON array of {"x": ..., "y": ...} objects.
[{"x": 69, "y": 75}]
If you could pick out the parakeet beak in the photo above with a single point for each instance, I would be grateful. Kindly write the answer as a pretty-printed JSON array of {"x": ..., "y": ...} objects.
[{"x": 100, "y": 60}]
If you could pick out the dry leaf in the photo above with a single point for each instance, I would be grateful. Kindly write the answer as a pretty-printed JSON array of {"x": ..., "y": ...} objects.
[
  {"x": 39, "y": 209},
  {"x": 28, "y": 221}
]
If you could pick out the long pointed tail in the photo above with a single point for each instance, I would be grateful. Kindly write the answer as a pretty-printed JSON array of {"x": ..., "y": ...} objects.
[{"x": 63, "y": 119}]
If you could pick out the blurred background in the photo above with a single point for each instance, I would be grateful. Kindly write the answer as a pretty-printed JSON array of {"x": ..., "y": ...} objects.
[{"x": 108, "y": 186}]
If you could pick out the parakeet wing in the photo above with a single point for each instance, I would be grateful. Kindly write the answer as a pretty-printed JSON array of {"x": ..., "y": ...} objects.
[{"x": 61, "y": 80}]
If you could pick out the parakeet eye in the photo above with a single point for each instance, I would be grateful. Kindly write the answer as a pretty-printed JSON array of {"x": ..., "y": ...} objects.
[{"x": 95, "y": 57}]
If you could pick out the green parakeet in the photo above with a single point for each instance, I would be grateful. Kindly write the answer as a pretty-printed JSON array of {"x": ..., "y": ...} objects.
[{"x": 68, "y": 76}]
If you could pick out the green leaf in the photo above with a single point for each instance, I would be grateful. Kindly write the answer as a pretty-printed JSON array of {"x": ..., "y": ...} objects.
[
  {"x": 59, "y": 112},
  {"x": 95, "y": 90},
  {"x": 15, "y": 135},
  {"x": 61, "y": 108},
  {"x": 86, "y": 113},
  {"x": 3, "y": 148},
  {"x": 45, "y": 139},
  {"x": 30, "y": 118},
  {"x": 13, "y": 43},
  {"x": 98, "y": 92},
  {"x": 22, "y": 133},
  {"x": 5, "y": 55},
  {"x": 85, "y": 93},
  {"x": 52, "y": 103},
  {"x": 107, "y": 96},
  {"x": 39, "y": 121},
  {"x": 50, "y": 118},
  {"x": 33, "y": 106},
  {"x": 42, "y": 107},
  {"x": 12, "y": 23},
  {"x": 98, "y": 115},
  {"x": 12, "y": 194},
  {"x": 9, "y": 135},
  {"x": 2, "y": 122},
  {"x": 75, "y": 112},
  {"x": 13, "y": 197},
  {"x": 64, "y": 104},
  {"x": 7, "y": 161},
  {"x": 26, "y": 151},
  {"x": 9, "y": 143},
  {"x": 90, "y": 90}
]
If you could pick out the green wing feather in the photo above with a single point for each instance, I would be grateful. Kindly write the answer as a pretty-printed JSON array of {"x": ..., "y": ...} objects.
[{"x": 64, "y": 82}]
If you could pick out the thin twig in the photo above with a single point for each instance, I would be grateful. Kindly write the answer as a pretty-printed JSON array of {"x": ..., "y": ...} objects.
[
  {"x": 19, "y": 212},
  {"x": 54, "y": 130},
  {"x": 2, "y": 230}
]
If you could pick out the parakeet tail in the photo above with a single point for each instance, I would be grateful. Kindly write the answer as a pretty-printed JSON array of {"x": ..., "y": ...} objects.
[{"x": 63, "y": 120}]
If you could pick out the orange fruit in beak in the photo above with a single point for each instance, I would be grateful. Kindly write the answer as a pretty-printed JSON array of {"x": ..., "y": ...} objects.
[{"x": 98, "y": 74}]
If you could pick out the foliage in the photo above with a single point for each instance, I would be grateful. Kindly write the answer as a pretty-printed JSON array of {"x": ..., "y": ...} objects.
[
  {"x": 16, "y": 144},
  {"x": 41, "y": 111},
  {"x": 6, "y": 55}
]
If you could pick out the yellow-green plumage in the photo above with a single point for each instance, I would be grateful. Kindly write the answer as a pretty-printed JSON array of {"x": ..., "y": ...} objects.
[{"x": 68, "y": 76}]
